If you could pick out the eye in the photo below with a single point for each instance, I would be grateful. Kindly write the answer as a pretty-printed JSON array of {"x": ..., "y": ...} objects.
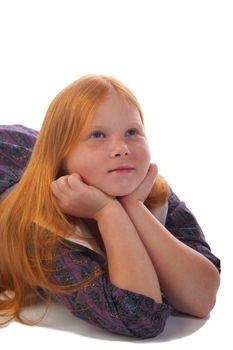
[
  {"x": 96, "y": 134},
  {"x": 133, "y": 132}
]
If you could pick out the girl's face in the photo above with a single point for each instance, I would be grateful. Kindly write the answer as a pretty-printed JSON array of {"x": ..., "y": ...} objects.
[{"x": 116, "y": 139}]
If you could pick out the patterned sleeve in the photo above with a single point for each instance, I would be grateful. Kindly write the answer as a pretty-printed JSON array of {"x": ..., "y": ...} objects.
[
  {"x": 103, "y": 304},
  {"x": 16, "y": 144},
  {"x": 183, "y": 225}
]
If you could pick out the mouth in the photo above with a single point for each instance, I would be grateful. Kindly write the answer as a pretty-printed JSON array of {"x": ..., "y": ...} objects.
[{"x": 121, "y": 170}]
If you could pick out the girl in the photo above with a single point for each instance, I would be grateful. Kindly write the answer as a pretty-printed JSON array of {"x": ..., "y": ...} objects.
[{"x": 90, "y": 222}]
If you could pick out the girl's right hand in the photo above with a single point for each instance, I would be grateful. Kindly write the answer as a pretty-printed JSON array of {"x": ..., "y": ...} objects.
[{"x": 79, "y": 199}]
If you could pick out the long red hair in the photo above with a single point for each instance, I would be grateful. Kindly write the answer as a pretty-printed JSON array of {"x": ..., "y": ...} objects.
[{"x": 31, "y": 223}]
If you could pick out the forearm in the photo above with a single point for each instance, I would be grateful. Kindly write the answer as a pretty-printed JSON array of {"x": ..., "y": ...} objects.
[
  {"x": 187, "y": 278},
  {"x": 130, "y": 266}
]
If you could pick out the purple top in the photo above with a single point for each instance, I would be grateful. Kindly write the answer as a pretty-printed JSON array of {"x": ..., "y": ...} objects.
[{"x": 101, "y": 303}]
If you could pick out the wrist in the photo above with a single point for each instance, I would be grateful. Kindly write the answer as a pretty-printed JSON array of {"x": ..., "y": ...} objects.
[
  {"x": 128, "y": 201},
  {"x": 132, "y": 205},
  {"x": 109, "y": 208}
]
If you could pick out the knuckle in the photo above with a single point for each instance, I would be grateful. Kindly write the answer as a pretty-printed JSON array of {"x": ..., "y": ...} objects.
[{"x": 73, "y": 180}]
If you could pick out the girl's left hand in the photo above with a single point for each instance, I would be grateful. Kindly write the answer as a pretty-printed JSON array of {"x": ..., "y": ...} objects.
[{"x": 143, "y": 190}]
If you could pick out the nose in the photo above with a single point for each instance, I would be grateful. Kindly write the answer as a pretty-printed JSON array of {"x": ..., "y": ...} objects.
[{"x": 119, "y": 149}]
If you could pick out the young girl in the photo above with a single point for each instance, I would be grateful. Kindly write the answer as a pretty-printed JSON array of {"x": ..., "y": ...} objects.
[{"x": 90, "y": 222}]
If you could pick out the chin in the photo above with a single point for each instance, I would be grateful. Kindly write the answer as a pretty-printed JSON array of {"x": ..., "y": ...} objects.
[{"x": 119, "y": 192}]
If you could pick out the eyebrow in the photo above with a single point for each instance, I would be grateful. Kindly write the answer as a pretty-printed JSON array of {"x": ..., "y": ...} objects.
[{"x": 129, "y": 125}]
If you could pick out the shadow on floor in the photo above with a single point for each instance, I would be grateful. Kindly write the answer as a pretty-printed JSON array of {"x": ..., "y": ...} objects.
[{"x": 58, "y": 318}]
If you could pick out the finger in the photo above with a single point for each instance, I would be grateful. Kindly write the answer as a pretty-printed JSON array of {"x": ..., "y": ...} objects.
[
  {"x": 148, "y": 181},
  {"x": 153, "y": 170},
  {"x": 60, "y": 187},
  {"x": 151, "y": 175},
  {"x": 75, "y": 181},
  {"x": 56, "y": 192}
]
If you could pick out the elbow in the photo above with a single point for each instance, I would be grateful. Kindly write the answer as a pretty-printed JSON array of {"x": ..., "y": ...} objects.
[
  {"x": 155, "y": 331},
  {"x": 203, "y": 310},
  {"x": 151, "y": 325},
  {"x": 150, "y": 330},
  {"x": 199, "y": 308},
  {"x": 204, "y": 304}
]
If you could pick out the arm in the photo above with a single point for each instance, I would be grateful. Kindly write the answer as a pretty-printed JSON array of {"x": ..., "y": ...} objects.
[
  {"x": 188, "y": 279},
  {"x": 129, "y": 264}
]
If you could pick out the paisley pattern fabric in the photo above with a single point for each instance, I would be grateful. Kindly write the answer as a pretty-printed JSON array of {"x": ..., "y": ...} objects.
[
  {"x": 16, "y": 144},
  {"x": 182, "y": 223},
  {"x": 98, "y": 301},
  {"x": 101, "y": 303}
]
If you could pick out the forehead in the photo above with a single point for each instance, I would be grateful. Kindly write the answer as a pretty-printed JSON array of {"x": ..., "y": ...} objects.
[{"x": 116, "y": 107}]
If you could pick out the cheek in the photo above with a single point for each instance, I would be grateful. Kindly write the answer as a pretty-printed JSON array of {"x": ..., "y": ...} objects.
[
  {"x": 88, "y": 170},
  {"x": 144, "y": 156},
  {"x": 86, "y": 173},
  {"x": 76, "y": 165}
]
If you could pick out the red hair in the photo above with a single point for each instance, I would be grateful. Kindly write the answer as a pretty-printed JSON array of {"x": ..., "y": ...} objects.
[{"x": 31, "y": 223}]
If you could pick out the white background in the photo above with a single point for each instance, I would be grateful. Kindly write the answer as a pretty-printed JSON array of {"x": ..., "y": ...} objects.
[{"x": 176, "y": 56}]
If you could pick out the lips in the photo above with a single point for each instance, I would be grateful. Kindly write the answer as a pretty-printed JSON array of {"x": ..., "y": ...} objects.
[{"x": 121, "y": 168}]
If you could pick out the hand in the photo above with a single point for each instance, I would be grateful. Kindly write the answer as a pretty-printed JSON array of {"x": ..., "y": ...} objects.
[
  {"x": 78, "y": 199},
  {"x": 144, "y": 189}
]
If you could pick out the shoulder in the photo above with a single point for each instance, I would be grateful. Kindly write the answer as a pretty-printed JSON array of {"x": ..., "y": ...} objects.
[
  {"x": 179, "y": 214},
  {"x": 16, "y": 144},
  {"x": 18, "y": 135}
]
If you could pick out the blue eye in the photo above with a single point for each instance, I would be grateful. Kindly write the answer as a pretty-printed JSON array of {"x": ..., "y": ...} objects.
[
  {"x": 99, "y": 134},
  {"x": 132, "y": 132},
  {"x": 96, "y": 134}
]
